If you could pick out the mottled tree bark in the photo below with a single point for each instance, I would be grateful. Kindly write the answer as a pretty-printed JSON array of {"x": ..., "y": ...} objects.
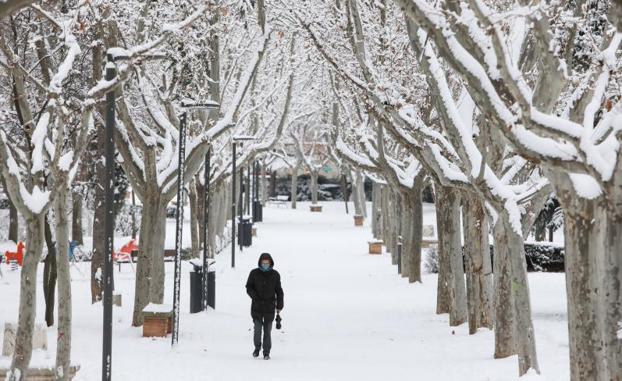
[
  {"x": 76, "y": 219},
  {"x": 63, "y": 341},
  {"x": 505, "y": 345},
  {"x": 514, "y": 333},
  {"x": 294, "y": 185},
  {"x": 406, "y": 232},
  {"x": 150, "y": 267},
  {"x": 359, "y": 203},
  {"x": 27, "y": 299},
  {"x": 13, "y": 222},
  {"x": 450, "y": 251},
  {"x": 195, "y": 243},
  {"x": 478, "y": 265},
  {"x": 49, "y": 275},
  {"x": 272, "y": 184},
  {"x": 376, "y": 223},
  {"x": 314, "y": 186},
  {"x": 593, "y": 288}
]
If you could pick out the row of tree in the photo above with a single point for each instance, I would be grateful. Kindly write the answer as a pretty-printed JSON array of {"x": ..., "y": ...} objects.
[
  {"x": 236, "y": 55},
  {"x": 500, "y": 104}
]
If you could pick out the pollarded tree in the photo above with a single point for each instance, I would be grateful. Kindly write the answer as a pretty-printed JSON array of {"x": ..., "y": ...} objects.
[
  {"x": 41, "y": 142},
  {"x": 407, "y": 124},
  {"x": 149, "y": 124}
]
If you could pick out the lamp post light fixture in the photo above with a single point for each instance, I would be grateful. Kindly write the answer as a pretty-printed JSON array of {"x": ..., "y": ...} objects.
[
  {"x": 235, "y": 140},
  {"x": 179, "y": 215}
]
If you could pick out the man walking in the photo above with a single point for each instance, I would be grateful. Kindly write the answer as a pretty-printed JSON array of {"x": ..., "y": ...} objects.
[{"x": 264, "y": 288}]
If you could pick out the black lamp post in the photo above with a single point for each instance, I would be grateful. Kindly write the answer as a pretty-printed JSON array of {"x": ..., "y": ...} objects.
[
  {"x": 111, "y": 73},
  {"x": 235, "y": 140},
  {"x": 179, "y": 220},
  {"x": 108, "y": 273},
  {"x": 206, "y": 204}
]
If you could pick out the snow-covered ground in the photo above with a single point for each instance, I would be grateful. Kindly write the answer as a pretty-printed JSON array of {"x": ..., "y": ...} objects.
[{"x": 347, "y": 316}]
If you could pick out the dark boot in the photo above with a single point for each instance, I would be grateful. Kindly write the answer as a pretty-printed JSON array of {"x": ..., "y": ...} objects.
[{"x": 256, "y": 353}]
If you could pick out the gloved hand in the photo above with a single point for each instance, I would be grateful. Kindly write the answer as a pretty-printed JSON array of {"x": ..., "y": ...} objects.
[{"x": 278, "y": 321}]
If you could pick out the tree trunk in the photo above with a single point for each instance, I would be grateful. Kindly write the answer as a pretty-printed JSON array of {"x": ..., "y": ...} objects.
[
  {"x": 63, "y": 342},
  {"x": 294, "y": 186},
  {"x": 263, "y": 183},
  {"x": 514, "y": 333},
  {"x": 99, "y": 234},
  {"x": 134, "y": 224},
  {"x": 76, "y": 219},
  {"x": 524, "y": 332},
  {"x": 272, "y": 184},
  {"x": 49, "y": 275},
  {"x": 358, "y": 203},
  {"x": 592, "y": 287},
  {"x": 27, "y": 300},
  {"x": 416, "y": 234},
  {"x": 540, "y": 230},
  {"x": 406, "y": 232},
  {"x": 194, "y": 221},
  {"x": 13, "y": 222},
  {"x": 478, "y": 265},
  {"x": 450, "y": 250},
  {"x": 150, "y": 267},
  {"x": 247, "y": 190},
  {"x": 360, "y": 190},
  {"x": 443, "y": 303},
  {"x": 376, "y": 201},
  {"x": 394, "y": 218},
  {"x": 314, "y": 186},
  {"x": 505, "y": 345}
]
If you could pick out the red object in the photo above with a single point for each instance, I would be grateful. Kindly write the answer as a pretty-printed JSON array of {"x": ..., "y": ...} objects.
[
  {"x": 126, "y": 251},
  {"x": 16, "y": 256}
]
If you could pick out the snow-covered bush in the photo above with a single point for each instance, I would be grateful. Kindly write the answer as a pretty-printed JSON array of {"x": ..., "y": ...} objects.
[{"x": 430, "y": 263}]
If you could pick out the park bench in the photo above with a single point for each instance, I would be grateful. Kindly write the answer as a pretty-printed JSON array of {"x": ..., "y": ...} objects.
[
  {"x": 42, "y": 374},
  {"x": 279, "y": 200},
  {"x": 169, "y": 254},
  {"x": 428, "y": 242},
  {"x": 157, "y": 320}
]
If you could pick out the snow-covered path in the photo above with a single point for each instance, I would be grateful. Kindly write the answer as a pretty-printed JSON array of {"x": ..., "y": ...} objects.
[{"x": 347, "y": 316}]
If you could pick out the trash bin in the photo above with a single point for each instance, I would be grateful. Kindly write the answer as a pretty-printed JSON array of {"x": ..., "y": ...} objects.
[
  {"x": 196, "y": 288},
  {"x": 257, "y": 211},
  {"x": 245, "y": 232}
]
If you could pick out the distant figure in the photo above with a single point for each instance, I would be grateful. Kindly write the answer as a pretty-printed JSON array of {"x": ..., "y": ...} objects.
[{"x": 264, "y": 288}]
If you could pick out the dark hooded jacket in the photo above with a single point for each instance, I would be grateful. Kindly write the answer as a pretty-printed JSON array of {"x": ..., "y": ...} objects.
[{"x": 264, "y": 288}]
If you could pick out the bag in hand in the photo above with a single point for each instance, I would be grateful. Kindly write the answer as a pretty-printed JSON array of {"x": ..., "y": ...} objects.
[{"x": 278, "y": 321}]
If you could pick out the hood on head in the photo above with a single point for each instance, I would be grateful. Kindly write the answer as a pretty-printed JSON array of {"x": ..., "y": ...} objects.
[{"x": 265, "y": 256}]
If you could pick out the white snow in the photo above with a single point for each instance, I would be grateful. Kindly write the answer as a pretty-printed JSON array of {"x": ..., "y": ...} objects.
[
  {"x": 347, "y": 316},
  {"x": 585, "y": 185}
]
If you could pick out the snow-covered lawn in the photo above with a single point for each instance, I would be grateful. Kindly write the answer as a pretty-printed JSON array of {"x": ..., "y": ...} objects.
[{"x": 347, "y": 316}]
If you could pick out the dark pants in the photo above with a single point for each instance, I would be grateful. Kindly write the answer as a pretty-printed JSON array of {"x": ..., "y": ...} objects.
[{"x": 263, "y": 321}]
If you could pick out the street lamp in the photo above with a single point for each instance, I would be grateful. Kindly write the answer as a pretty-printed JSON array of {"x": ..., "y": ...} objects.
[
  {"x": 179, "y": 220},
  {"x": 235, "y": 141},
  {"x": 108, "y": 274}
]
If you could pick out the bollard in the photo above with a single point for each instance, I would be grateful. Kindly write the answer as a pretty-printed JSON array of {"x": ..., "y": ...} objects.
[{"x": 211, "y": 290}]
